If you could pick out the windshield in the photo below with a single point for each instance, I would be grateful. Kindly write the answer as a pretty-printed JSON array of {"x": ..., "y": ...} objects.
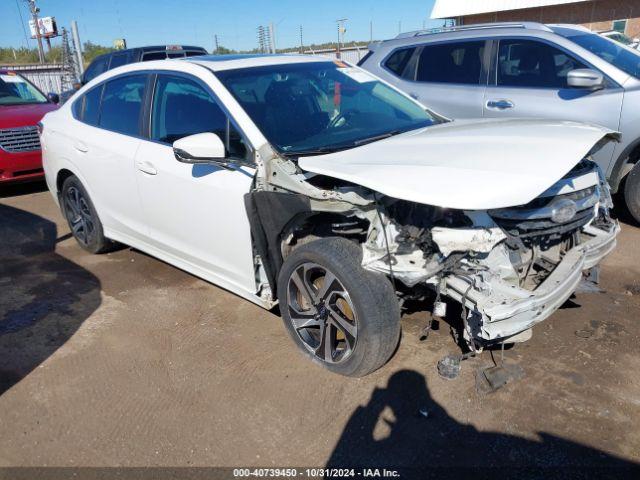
[
  {"x": 624, "y": 58},
  {"x": 15, "y": 90},
  {"x": 306, "y": 108}
]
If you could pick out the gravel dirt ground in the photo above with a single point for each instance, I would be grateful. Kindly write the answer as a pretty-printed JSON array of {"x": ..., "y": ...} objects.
[{"x": 123, "y": 360}]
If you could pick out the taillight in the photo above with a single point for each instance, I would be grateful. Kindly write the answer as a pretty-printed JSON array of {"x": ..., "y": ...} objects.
[{"x": 40, "y": 127}]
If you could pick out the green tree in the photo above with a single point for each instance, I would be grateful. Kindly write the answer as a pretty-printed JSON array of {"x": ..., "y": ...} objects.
[{"x": 92, "y": 50}]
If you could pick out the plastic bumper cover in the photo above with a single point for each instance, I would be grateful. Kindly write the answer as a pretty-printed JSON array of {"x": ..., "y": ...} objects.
[{"x": 501, "y": 309}]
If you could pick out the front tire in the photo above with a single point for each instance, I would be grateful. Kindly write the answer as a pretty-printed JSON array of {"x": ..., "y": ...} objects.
[
  {"x": 632, "y": 192},
  {"x": 82, "y": 217},
  {"x": 340, "y": 315}
]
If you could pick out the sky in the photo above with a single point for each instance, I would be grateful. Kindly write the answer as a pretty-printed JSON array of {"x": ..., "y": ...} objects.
[{"x": 195, "y": 22}]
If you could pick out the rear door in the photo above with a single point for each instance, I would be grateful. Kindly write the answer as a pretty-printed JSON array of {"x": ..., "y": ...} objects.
[
  {"x": 105, "y": 142},
  {"x": 448, "y": 77},
  {"x": 529, "y": 79}
]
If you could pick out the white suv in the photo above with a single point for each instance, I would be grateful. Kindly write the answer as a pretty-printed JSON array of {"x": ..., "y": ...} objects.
[{"x": 314, "y": 184}]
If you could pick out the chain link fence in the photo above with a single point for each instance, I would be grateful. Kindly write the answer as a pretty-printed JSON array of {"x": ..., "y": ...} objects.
[{"x": 348, "y": 54}]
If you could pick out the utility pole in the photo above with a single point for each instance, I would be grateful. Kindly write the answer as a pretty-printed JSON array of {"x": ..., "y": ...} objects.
[
  {"x": 78, "y": 46},
  {"x": 33, "y": 8},
  {"x": 215, "y": 38},
  {"x": 272, "y": 37},
  {"x": 341, "y": 31},
  {"x": 301, "y": 44},
  {"x": 399, "y": 27},
  {"x": 371, "y": 30}
]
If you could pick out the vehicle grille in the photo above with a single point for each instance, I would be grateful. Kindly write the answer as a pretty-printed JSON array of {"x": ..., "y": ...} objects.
[
  {"x": 22, "y": 139},
  {"x": 534, "y": 219}
]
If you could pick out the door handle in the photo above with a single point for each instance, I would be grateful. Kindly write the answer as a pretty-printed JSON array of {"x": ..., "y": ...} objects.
[
  {"x": 413, "y": 95},
  {"x": 147, "y": 167},
  {"x": 500, "y": 104},
  {"x": 81, "y": 147}
]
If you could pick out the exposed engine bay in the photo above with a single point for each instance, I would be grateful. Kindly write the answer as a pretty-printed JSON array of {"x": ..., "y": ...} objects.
[{"x": 509, "y": 268}]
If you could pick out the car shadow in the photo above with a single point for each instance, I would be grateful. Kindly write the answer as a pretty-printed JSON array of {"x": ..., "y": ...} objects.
[
  {"x": 403, "y": 427},
  {"x": 44, "y": 298},
  {"x": 25, "y": 188}
]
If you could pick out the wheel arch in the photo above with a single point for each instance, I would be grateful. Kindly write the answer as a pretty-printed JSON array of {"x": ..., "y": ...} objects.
[
  {"x": 61, "y": 176},
  {"x": 625, "y": 161},
  {"x": 277, "y": 221}
]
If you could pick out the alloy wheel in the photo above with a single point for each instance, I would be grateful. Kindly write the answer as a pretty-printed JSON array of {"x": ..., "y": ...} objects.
[
  {"x": 322, "y": 313},
  {"x": 79, "y": 215}
]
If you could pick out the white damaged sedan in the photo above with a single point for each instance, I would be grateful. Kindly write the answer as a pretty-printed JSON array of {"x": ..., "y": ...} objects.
[{"x": 311, "y": 183}]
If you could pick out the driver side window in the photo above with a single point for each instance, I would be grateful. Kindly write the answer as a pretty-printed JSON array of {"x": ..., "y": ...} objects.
[
  {"x": 181, "y": 107},
  {"x": 529, "y": 63}
]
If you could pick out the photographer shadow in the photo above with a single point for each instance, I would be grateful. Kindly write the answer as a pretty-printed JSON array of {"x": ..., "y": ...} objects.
[{"x": 402, "y": 427}]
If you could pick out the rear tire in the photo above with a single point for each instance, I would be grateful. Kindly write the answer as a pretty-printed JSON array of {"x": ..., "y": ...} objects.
[
  {"x": 632, "y": 192},
  {"x": 82, "y": 217},
  {"x": 350, "y": 326}
]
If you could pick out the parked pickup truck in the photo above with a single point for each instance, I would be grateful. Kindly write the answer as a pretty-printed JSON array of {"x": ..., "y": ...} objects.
[{"x": 110, "y": 60}]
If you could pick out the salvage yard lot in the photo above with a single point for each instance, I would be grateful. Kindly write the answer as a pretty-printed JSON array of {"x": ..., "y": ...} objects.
[{"x": 121, "y": 359}]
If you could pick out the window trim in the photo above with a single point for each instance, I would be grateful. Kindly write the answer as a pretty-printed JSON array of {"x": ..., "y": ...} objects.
[
  {"x": 484, "y": 71},
  {"x": 230, "y": 120},
  {"x": 493, "y": 74}
]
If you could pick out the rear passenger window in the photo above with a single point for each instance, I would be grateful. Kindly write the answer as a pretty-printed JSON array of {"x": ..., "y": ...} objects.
[
  {"x": 398, "y": 62},
  {"x": 91, "y": 110},
  {"x": 527, "y": 63},
  {"x": 459, "y": 62},
  {"x": 121, "y": 104}
]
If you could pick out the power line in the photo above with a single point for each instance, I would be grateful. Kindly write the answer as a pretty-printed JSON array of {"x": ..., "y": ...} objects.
[
  {"x": 301, "y": 44},
  {"x": 24, "y": 29}
]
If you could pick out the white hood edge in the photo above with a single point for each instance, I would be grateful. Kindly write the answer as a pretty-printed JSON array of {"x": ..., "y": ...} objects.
[{"x": 467, "y": 164}]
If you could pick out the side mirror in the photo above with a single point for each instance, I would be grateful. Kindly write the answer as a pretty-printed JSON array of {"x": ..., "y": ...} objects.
[
  {"x": 585, "y": 78},
  {"x": 77, "y": 85},
  {"x": 53, "y": 98},
  {"x": 200, "y": 148}
]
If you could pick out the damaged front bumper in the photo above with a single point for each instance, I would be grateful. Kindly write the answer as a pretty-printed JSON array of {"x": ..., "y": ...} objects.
[{"x": 499, "y": 309}]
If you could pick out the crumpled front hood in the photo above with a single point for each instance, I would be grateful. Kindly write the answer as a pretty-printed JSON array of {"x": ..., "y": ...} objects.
[{"x": 466, "y": 164}]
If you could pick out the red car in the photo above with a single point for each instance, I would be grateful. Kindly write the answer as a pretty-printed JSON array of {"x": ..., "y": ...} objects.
[{"x": 22, "y": 106}]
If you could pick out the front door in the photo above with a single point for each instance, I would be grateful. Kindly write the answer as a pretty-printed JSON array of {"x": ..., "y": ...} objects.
[
  {"x": 195, "y": 213},
  {"x": 530, "y": 80}
]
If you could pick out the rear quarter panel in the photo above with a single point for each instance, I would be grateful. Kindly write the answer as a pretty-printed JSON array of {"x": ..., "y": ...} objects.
[{"x": 57, "y": 144}]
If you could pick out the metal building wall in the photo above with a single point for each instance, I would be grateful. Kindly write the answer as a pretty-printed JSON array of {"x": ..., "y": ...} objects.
[{"x": 47, "y": 78}]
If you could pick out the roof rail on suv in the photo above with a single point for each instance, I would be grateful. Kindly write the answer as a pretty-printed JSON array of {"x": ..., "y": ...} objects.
[{"x": 477, "y": 26}]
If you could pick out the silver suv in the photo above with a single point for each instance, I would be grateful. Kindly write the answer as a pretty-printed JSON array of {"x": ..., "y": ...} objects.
[{"x": 503, "y": 70}]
